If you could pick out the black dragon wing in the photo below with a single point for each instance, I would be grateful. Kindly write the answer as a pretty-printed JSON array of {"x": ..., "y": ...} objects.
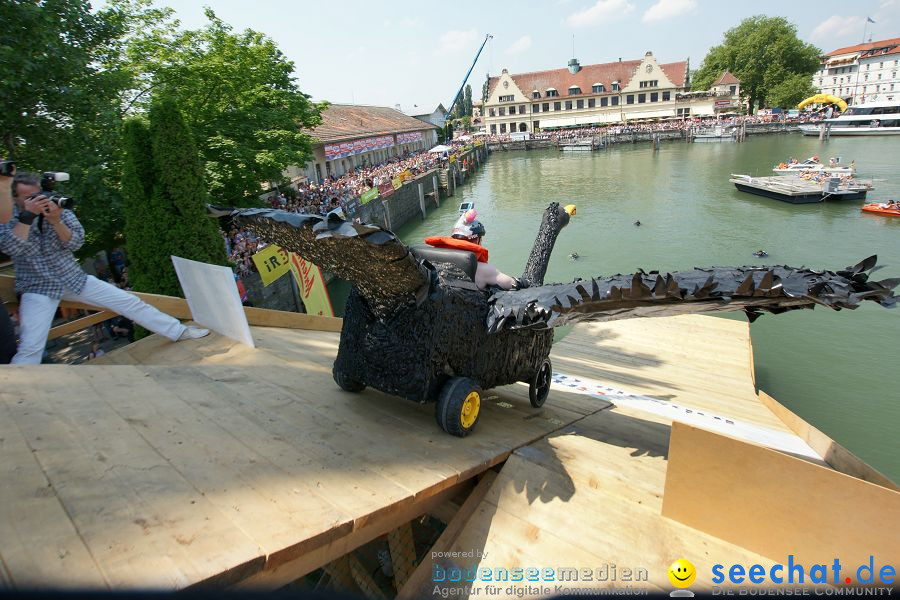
[
  {"x": 751, "y": 289},
  {"x": 371, "y": 258}
]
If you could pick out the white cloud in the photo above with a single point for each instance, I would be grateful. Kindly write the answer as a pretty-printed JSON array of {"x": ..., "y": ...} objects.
[
  {"x": 604, "y": 11},
  {"x": 520, "y": 45},
  {"x": 837, "y": 27},
  {"x": 666, "y": 9},
  {"x": 455, "y": 41}
]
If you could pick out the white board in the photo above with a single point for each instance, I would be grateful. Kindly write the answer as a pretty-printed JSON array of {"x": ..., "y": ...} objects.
[{"x": 212, "y": 295}]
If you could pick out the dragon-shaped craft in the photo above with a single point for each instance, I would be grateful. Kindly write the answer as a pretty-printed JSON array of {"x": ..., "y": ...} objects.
[{"x": 416, "y": 326}]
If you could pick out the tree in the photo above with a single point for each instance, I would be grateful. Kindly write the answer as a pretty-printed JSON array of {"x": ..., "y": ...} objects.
[
  {"x": 467, "y": 101},
  {"x": 485, "y": 89},
  {"x": 791, "y": 91},
  {"x": 166, "y": 196},
  {"x": 241, "y": 102},
  {"x": 764, "y": 53}
]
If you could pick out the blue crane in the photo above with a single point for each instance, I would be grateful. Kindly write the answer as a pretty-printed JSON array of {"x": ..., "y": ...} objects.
[{"x": 469, "y": 72}]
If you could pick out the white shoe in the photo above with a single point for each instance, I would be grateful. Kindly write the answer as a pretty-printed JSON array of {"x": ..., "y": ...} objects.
[{"x": 192, "y": 333}]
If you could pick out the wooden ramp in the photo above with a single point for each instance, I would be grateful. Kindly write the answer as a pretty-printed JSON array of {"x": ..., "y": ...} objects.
[
  {"x": 205, "y": 462},
  {"x": 591, "y": 495}
]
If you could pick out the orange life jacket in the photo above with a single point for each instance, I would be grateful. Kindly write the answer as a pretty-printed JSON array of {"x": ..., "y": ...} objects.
[{"x": 480, "y": 252}]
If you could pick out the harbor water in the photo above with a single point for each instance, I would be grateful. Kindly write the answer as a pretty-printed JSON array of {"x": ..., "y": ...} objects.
[{"x": 839, "y": 371}]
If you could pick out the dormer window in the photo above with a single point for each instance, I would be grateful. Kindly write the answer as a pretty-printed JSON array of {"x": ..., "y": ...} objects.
[
  {"x": 535, "y": 94},
  {"x": 552, "y": 93},
  {"x": 598, "y": 88},
  {"x": 574, "y": 90},
  {"x": 615, "y": 86}
]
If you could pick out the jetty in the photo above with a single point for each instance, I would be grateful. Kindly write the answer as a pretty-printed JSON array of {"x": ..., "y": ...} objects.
[
  {"x": 211, "y": 464},
  {"x": 797, "y": 190}
]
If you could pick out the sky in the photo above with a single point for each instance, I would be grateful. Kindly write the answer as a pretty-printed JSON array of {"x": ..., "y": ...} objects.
[{"x": 416, "y": 54}]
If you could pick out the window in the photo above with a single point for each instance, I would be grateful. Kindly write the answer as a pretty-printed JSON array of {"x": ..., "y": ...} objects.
[
  {"x": 552, "y": 93},
  {"x": 879, "y": 76},
  {"x": 732, "y": 90},
  {"x": 574, "y": 90},
  {"x": 502, "y": 127},
  {"x": 501, "y": 111},
  {"x": 512, "y": 127},
  {"x": 866, "y": 77},
  {"x": 491, "y": 112},
  {"x": 557, "y": 106},
  {"x": 493, "y": 128},
  {"x": 881, "y": 65},
  {"x": 604, "y": 100},
  {"x": 598, "y": 88},
  {"x": 642, "y": 98},
  {"x": 666, "y": 96},
  {"x": 615, "y": 85},
  {"x": 545, "y": 107},
  {"x": 614, "y": 101},
  {"x": 507, "y": 98},
  {"x": 650, "y": 84},
  {"x": 535, "y": 94},
  {"x": 535, "y": 108},
  {"x": 512, "y": 110},
  {"x": 568, "y": 105},
  {"x": 591, "y": 102},
  {"x": 654, "y": 97},
  {"x": 629, "y": 99},
  {"x": 521, "y": 109},
  {"x": 579, "y": 104}
]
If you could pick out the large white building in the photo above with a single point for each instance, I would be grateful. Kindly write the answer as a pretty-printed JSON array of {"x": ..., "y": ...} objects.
[
  {"x": 615, "y": 92},
  {"x": 861, "y": 72}
]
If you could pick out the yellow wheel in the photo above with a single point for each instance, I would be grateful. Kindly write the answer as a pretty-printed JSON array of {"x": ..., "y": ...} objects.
[
  {"x": 471, "y": 406},
  {"x": 459, "y": 406}
]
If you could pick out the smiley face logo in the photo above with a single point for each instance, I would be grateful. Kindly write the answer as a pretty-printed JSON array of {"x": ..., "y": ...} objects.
[{"x": 682, "y": 573}]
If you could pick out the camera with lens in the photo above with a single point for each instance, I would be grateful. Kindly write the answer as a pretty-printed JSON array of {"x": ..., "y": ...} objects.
[
  {"x": 7, "y": 168},
  {"x": 49, "y": 179}
]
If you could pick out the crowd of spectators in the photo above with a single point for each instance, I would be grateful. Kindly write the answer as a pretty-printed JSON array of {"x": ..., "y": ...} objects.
[
  {"x": 336, "y": 191},
  {"x": 240, "y": 246},
  {"x": 659, "y": 126}
]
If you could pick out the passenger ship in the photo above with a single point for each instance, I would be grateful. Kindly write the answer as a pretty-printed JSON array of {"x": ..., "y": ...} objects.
[{"x": 879, "y": 117}]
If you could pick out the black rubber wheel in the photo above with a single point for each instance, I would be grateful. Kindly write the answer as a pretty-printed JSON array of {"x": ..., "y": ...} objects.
[
  {"x": 459, "y": 406},
  {"x": 539, "y": 386},
  {"x": 347, "y": 383}
]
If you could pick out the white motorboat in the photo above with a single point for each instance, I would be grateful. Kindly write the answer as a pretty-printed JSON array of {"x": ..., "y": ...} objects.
[
  {"x": 878, "y": 117},
  {"x": 812, "y": 165}
]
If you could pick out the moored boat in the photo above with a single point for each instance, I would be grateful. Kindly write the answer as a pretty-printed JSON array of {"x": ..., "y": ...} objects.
[
  {"x": 812, "y": 165},
  {"x": 878, "y": 117}
]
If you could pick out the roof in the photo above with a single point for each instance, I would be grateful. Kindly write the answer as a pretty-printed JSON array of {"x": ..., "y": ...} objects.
[
  {"x": 726, "y": 79},
  {"x": 350, "y": 121},
  {"x": 893, "y": 44},
  {"x": 606, "y": 73}
]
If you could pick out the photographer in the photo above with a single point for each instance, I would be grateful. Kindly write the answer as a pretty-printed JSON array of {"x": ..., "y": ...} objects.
[{"x": 41, "y": 237}]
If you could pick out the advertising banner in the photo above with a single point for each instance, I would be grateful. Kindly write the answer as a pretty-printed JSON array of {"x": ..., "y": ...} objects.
[
  {"x": 351, "y": 148},
  {"x": 312, "y": 287},
  {"x": 385, "y": 189},
  {"x": 397, "y": 182},
  {"x": 409, "y": 137},
  {"x": 272, "y": 262},
  {"x": 369, "y": 195}
]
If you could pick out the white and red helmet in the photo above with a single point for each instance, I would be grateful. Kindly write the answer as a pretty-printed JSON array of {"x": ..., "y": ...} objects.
[{"x": 468, "y": 227}]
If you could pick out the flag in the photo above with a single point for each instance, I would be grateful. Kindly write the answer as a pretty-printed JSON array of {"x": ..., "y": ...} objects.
[{"x": 869, "y": 19}]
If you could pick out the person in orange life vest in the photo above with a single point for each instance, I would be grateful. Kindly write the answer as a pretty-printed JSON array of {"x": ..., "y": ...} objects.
[{"x": 466, "y": 235}]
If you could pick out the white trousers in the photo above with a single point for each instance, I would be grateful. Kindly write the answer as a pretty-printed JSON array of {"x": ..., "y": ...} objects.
[{"x": 36, "y": 313}]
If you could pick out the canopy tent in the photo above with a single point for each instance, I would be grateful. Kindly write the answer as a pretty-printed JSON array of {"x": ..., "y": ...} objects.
[
  {"x": 824, "y": 99},
  {"x": 440, "y": 148}
]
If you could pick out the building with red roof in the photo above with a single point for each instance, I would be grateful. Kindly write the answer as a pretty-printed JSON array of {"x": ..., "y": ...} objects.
[
  {"x": 861, "y": 72},
  {"x": 579, "y": 96}
]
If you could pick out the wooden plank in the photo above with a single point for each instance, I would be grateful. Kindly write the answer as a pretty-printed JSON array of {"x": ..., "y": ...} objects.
[
  {"x": 37, "y": 540},
  {"x": 403, "y": 553},
  {"x": 178, "y": 308},
  {"x": 142, "y": 521},
  {"x": 838, "y": 457},
  {"x": 284, "y": 573},
  {"x": 419, "y": 584},
  {"x": 79, "y": 324},
  {"x": 768, "y": 507}
]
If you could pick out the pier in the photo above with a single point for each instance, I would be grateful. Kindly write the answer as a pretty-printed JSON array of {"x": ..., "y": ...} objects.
[{"x": 797, "y": 190}]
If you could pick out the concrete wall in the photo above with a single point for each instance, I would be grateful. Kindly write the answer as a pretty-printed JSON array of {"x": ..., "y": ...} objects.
[
  {"x": 403, "y": 205},
  {"x": 282, "y": 294}
]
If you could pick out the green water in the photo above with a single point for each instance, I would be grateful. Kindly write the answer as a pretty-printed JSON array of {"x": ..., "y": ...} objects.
[{"x": 839, "y": 371}]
